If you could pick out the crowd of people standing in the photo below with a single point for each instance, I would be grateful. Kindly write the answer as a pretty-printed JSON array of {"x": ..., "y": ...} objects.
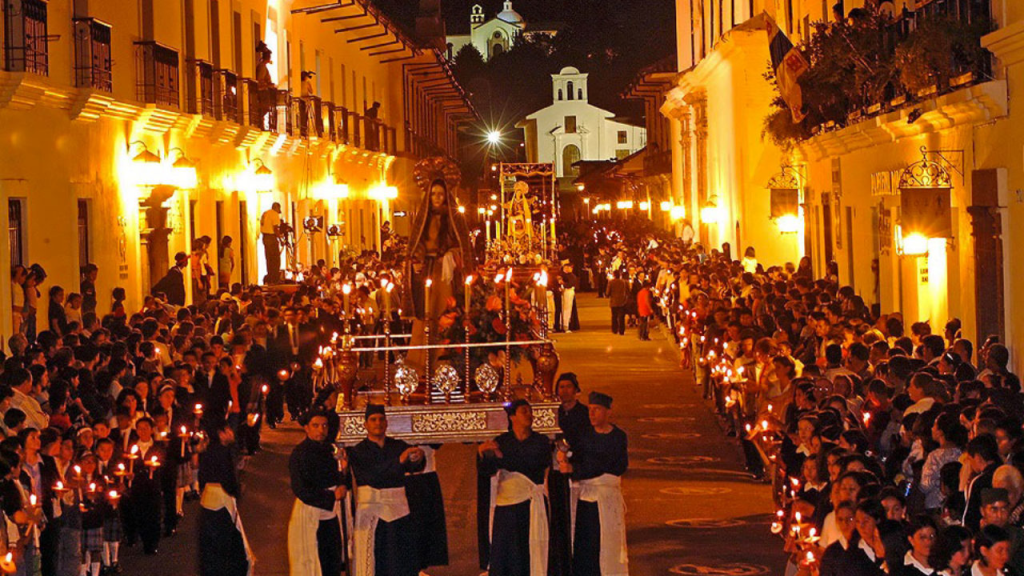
[{"x": 893, "y": 446}]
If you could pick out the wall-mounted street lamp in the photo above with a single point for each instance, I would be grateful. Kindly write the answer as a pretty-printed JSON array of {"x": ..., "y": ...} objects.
[
  {"x": 925, "y": 205},
  {"x": 785, "y": 199},
  {"x": 711, "y": 213}
]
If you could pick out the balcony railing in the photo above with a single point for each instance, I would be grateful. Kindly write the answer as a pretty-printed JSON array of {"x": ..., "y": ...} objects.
[
  {"x": 93, "y": 64},
  {"x": 25, "y": 37},
  {"x": 157, "y": 80},
  {"x": 200, "y": 88},
  {"x": 250, "y": 98},
  {"x": 226, "y": 96},
  {"x": 309, "y": 116}
]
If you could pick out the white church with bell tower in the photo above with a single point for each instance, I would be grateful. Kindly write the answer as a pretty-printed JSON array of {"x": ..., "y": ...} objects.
[
  {"x": 495, "y": 35},
  {"x": 571, "y": 129}
]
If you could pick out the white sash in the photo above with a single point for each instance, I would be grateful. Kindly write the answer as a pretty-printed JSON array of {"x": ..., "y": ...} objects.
[
  {"x": 511, "y": 488},
  {"x": 606, "y": 491},
  {"x": 303, "y": 554},
  {"x": 373, "y": 505},
  {"x": 214, "y": 498}
]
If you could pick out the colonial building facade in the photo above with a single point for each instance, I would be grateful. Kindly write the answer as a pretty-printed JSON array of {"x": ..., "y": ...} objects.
[
  {"x": 132, "y": 128},
  {"x": 849, "y": 173}
]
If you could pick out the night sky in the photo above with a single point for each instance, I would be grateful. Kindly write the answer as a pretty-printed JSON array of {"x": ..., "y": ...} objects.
[{"x": 612, "y": 40}]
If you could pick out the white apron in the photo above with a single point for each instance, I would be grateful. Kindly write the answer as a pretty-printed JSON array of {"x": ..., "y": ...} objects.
[
  {"x": 511, "y": 488},
  {"x": 214, "y": 498},
  {"x": 303, "y": 555},
  {"x": 606, "y": 491},
  {"x": 372, "y": 506}
]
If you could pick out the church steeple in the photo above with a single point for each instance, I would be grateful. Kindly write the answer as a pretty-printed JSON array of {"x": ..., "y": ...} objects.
[{"x": 477, "y": 15}]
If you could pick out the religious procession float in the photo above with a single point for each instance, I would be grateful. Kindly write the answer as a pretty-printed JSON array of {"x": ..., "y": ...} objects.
[{"x": 476, "y": 315}]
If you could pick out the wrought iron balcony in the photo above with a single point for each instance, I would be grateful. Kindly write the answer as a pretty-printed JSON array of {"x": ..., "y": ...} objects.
[{"x": 157, "y": 74}]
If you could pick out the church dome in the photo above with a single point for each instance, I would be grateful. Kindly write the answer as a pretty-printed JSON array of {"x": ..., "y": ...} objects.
[
  {"x": 569, "y": 70},
  {"x": 509, "y": 15}
]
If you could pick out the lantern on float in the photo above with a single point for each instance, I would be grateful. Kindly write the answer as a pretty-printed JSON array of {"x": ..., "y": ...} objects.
[
  {"x": 925, "y": 206},
  {"x": 785, "y": 199}
]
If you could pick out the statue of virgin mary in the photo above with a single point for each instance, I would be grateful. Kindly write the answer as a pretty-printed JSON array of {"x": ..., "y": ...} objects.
[{"x": 439, "y": 245}]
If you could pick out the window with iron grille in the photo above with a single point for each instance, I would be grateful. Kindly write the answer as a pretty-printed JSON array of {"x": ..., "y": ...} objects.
[
  {"x": 157, "y": 80},
  {"x": 16, "y": 230},
  {"x": 200, "y": 88},
  {"x": 93, "y": 64},
  {"x": 226, "y": 96},
  {"x": 25, "y": 36}
]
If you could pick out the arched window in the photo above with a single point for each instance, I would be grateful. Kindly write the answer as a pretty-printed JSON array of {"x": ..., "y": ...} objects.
[
  {"x": 570, "y": 155},
  {"x": 570, "y": 89},
  {"x": 580, "y": 92},
  {"x": 559, "y": 93}
]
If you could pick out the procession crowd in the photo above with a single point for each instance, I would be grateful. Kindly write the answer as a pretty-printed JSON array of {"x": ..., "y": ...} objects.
[
  {"x": 893, "y": 446},
  {"x": 111, "y": 421}
]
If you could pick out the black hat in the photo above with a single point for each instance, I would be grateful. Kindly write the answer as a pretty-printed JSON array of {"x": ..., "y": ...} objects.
[
  {"x": 601, "y": 399},
  {"x": 513, "y": 406},
  {"x": 372, "y": 409},
  {"x": 571, "y": 377}
]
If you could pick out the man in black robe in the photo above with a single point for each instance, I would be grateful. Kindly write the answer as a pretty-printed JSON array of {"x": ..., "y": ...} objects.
[
  {"x": 597, "y": 464},
  {"x": 384, "y": 532},
  {"x": 574, "y": 421},
  {"x": 317, "y": 479},
  {"x": 222, "y": 547},
  {"x": 519, "y": 459}
]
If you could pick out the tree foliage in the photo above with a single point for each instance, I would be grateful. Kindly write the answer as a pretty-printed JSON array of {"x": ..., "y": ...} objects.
[{"x": 867, "y": 60}]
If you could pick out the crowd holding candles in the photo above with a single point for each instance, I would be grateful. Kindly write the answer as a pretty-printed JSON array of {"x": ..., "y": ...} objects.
[{"x": 892, "y": 446}]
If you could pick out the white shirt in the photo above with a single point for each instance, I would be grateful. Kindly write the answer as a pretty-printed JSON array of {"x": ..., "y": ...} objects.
[
  {"x": 34, "y": 415},
  {"x": 976, "y": 569},
  {"x": 269, "y": 221}
]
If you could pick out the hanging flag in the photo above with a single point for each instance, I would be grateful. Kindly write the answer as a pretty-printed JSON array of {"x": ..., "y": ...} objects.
[{"x": 789, "y": 64}]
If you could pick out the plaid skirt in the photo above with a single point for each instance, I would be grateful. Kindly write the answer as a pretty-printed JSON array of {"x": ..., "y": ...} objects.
[
  {"x": 113, "y": 531},
  {"x": 92, "y": 540}
]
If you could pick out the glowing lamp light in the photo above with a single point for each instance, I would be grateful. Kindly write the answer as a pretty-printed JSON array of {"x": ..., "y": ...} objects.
[
  {"x": 261, "y": 179},
  {"x": 383, "y": 192},
  {"x": 493, "y": 137},
  {"x": 788, "y": 224},
  {"x": 677, "y": 213},
  {"x": 915, "y": 245},
  {"x": 481, "y": 210},
  {"x": 147, "y": 169},
  {"x": 666, "y": 206},
  {"x": 462, "y": 209},
  {"x": 645, "y": 205},
  {"x": 624, "y": 204},
  {"x": 711, "y": 213}
]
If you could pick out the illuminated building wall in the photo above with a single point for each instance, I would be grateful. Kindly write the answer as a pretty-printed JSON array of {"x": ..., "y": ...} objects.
[
  {"x": 70, "y": 135},
  {"x": 851, "y": 192}
]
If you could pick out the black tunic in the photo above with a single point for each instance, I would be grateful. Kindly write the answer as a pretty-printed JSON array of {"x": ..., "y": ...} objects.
[
  {"x": 313, "y": 472},
  {"x": 573, "y": 422},
  {"x": 598, "y": 454},
  {"x": 510, "y": 533},
  {"x": 379, "y": 467},
  {"x": 221, "y": 548},
  {"x": 426, "y": 506}
]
